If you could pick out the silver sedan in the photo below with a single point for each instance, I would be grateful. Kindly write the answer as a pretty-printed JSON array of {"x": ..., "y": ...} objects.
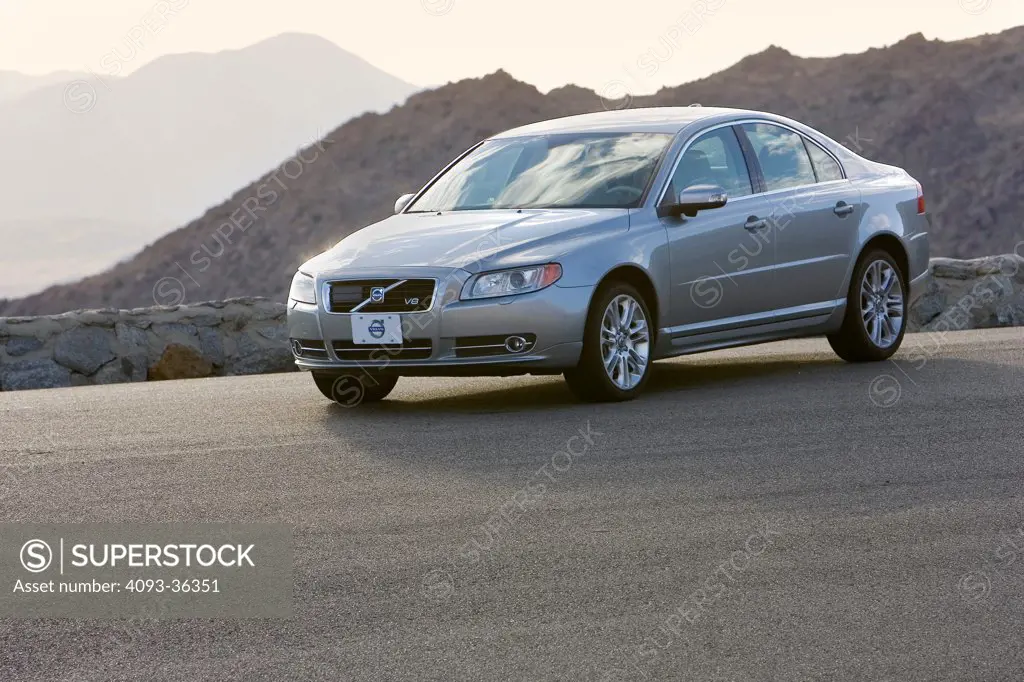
[{"x": 591, "y": 246}]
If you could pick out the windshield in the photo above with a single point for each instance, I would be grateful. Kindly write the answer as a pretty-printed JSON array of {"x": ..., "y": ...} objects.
[{"x": 575, "y": 170}]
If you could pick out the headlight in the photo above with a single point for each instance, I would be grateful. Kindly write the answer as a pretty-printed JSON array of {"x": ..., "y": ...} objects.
[
  {"x": 303, "y": 288},
  {"x": 508, "y": 282}
]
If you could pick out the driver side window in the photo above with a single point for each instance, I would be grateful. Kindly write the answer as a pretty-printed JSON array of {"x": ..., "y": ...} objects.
[{"x": 715, "y": 158}]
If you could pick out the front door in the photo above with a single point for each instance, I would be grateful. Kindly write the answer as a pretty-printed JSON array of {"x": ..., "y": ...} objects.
[{"x": 722, "y": 259}]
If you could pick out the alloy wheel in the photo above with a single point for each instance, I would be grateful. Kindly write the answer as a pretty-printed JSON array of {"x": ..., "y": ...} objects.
[
  {"x": 881, "y": 303},
  {"x": 625, "y": 342}
]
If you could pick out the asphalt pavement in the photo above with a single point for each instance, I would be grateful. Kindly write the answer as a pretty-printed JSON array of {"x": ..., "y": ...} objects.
[{"x": 767, "y": 513}]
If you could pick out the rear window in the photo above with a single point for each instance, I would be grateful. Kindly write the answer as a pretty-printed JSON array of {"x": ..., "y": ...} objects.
[{"x": 825, "y": 167}]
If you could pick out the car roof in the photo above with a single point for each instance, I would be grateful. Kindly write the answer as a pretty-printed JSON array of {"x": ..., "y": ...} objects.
[{"x": 651, "y": 120}]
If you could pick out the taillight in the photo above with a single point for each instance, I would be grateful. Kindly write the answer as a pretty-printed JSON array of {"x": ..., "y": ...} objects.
[{"x": 920, "y": 200}]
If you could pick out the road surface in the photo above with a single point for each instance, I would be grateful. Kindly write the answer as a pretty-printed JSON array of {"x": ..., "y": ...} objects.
[{"x": 760, "y": 514}]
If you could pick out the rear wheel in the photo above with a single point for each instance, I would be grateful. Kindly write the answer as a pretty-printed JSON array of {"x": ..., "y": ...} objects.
[
  {"x": 616, "y": 358},
  {"x": 354, "y": 388},
  {"x": 875, "y": 320}
]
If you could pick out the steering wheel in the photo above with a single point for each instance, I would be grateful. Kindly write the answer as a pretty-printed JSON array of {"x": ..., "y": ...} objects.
[{"x": 628, "y": 192}]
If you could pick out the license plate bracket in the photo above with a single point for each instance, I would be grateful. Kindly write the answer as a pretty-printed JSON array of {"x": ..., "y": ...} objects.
[{"x": 377, "y": 330}]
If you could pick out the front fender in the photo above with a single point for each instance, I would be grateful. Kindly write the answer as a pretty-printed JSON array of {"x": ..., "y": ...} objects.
[{"x": 643, "y": 247}]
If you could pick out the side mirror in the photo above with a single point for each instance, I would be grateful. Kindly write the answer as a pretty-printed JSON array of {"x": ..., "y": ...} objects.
[
  {"x": 694, "y": 199},
  {"x": 402, "y": 202}
]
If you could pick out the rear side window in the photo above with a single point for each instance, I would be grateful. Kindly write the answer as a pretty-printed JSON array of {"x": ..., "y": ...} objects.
[
  {"x": 781, "y": 153},
  {"x": 825, "y": 167}
]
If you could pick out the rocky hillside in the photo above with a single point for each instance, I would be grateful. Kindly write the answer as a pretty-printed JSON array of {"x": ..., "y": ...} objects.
[{"x": 951, "y": 113}]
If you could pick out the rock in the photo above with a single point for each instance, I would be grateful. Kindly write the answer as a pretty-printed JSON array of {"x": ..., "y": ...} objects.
[
  {"x": 949, "y": 268},
  {"x": 180, "y": 362},
  {"x": 94, "y": 318},
  {"x": 212, "y": 345},
  {"x": 1011, "y": 315},
  {"x": 136, "y": 317},
  {"x": 177, "y": 332},
  {"x": 253, "y": 353},
  {"x": 22, "y": 345},
  {"x": 268, "y": 310},
  {"x": 971, "y": 294},
  {"x": 119, "y": 371},
  {"x": 263, "y": 361},
  {"x": 131, "y": 338},
  {"x": 84, "y": 349},
  {"x": 137, "y": 367},
  {"x": 163, "y": 334},
  {"x": 42, "y": 328},
  {"x": 134, "y": 349},
  {"x": 277, "y": 333},
  {"x": 1008, "y": 265},
  {"x": 33, "y": 374},
  {"x": 244, "y": 345},
  {"x": 204, "y": 317},
  {"x": 930, "y": 305}
]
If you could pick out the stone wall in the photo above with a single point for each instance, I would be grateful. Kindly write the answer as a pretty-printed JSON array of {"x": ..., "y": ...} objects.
[
  {"x": 972, "y": 294},
  {"x": 249, "y": 335},
  {"x": 238, "y": 336}
]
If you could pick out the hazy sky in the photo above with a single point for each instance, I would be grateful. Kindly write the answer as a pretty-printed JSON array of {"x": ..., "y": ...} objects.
[{"x": 639, "y": 45}]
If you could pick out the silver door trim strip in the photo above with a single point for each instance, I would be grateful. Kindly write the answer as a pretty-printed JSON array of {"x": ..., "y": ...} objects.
[
  {"x": 753, "y": 319},
  {"x": 809, "y": 261}
]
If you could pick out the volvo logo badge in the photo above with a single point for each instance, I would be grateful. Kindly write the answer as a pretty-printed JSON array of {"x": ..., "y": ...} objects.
[
  {"x": 377, "y": 294},
  {"x": 377, "y": 329}
]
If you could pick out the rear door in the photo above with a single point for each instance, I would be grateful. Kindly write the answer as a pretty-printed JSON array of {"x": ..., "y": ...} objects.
[{"x": 815, "y": 217}]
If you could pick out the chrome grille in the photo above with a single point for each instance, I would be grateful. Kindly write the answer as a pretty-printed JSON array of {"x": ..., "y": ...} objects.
[
  {"x": 309, "y": 349},
  {"x": 488, "y": 346},
  {"x": 412, "y": 349},
  {"x": 400, "y": 296}
]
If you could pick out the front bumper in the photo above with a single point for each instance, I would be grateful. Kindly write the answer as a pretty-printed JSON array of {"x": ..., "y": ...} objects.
[{"x": 556, "y": 316}]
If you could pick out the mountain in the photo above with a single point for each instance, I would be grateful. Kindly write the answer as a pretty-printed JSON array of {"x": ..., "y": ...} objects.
[
  {"x": 14, "y": 84},
  {"x": 951, "y": 113},
  {"x": 182, "y": 132},
  {"x": 141, "y": 154}
]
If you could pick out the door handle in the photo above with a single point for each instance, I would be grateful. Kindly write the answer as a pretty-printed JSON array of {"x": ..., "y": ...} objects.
[
  {"x": 843, "y": 209},
  {"x": 755, "y": 223}
]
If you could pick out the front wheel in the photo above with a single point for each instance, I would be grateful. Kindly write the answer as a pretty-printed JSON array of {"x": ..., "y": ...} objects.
[
  {"x": 875, "y": 320},
  {"x": 354, "y": 388},
  {"x": 616, "y": 358}
]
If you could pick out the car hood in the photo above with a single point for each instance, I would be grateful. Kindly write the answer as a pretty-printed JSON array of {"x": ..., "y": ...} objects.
[{"x": 471, "y": 240}]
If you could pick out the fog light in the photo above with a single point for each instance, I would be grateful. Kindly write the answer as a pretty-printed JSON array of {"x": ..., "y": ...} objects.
[
  {"x": 296, "y": 348},
  {"x": 515, "y": 344}
]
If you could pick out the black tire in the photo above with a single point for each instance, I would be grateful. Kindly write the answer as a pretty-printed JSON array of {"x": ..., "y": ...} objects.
[
  {"x": 350, "y": 389},
  {"x": 852, "y": 342},
  {"x": 588, "y": 380}
]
